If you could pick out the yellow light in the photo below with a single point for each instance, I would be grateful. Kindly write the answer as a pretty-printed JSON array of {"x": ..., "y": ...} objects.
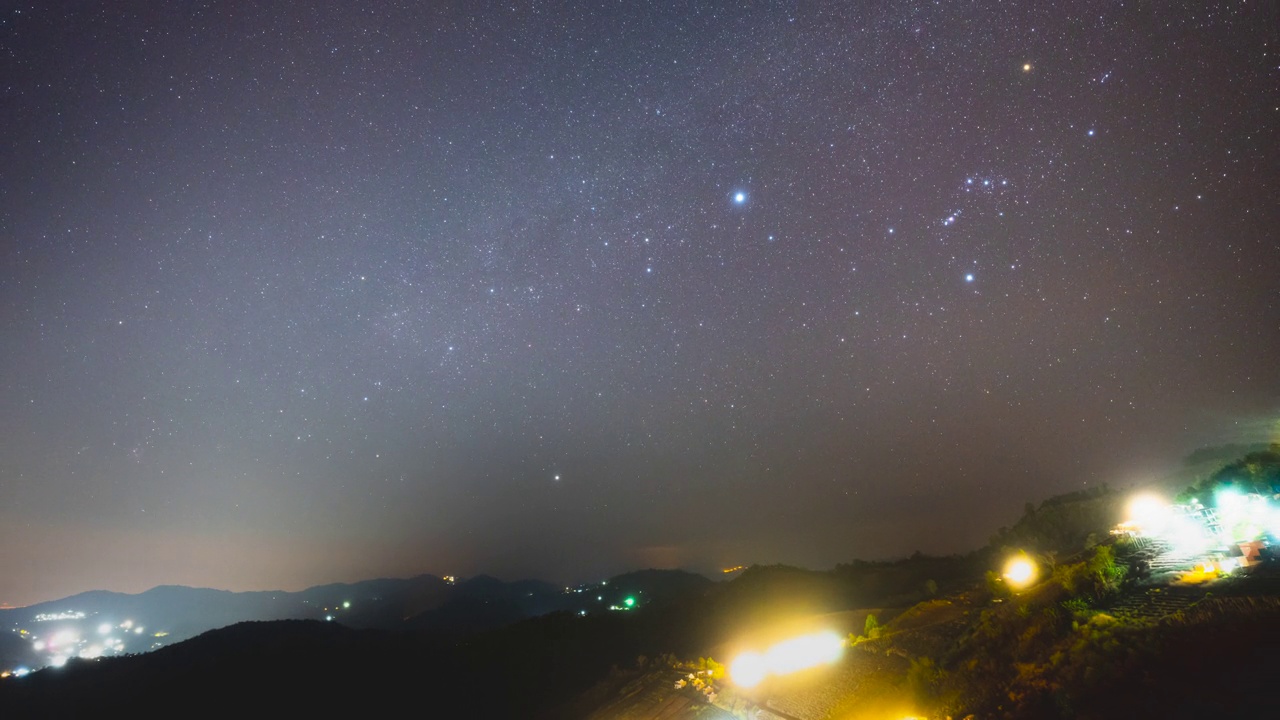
[
  {"x": 748, "y": 669},
  {"x": 804, "y": 652},
  {"x": 788, "y": 656},
  {"x": 1020, "y": 572},
  {"x": 1026, "y": 67}
]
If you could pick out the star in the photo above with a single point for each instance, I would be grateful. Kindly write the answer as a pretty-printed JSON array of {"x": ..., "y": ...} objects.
[
  {"x": 739, "y": 198},
  {"x": 968, "y": 278}
]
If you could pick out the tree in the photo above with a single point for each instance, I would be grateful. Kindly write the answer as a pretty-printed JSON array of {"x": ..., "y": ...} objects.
[{"x": 871, "y": 628}]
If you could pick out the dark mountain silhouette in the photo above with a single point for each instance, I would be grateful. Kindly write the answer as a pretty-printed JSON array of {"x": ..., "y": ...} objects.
[
  {"x": 422, "y": 603},
  {"x": 660, "y": 586},
  {"x": 524, "y": 670}
]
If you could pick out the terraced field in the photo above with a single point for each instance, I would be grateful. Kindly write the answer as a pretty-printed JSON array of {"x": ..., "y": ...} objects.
[
  {"x": 653, "y": 696},
  {"x": 1153, "y": 603}
]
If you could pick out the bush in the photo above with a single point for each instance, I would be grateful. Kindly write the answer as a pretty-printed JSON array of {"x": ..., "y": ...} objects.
[{"x": 924, "y": 678}]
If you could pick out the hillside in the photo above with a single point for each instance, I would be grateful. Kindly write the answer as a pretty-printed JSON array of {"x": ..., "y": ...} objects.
[{"x": 1098, "y": 635}]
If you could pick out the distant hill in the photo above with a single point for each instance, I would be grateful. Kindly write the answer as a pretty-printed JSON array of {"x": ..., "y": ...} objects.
[
  {"x": 108, "y": 623},
  {"x": 661, "y": 586},
  {"x": 303, "y": 667},
  {"x": 524, "y": 670}
]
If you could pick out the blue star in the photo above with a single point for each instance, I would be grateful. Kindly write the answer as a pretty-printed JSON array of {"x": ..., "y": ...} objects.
[
  {"x": 968, "y": 278},
  {"x": 739, "y": 198}
]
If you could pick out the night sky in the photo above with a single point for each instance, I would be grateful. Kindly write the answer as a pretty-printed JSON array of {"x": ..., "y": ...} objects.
[{"x": 293, "y": 293}]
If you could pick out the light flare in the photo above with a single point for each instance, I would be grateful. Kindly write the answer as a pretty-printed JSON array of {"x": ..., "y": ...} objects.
[{"x": 793, "y": 655}]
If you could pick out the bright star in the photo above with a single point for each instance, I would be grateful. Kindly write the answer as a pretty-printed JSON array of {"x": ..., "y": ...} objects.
[
  {"x": 968, "y": 278},
  {"x": 739, "y": 198}
]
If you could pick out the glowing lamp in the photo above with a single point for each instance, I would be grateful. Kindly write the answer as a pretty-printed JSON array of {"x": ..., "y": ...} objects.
[
  {"x": 788, "y": 656},
  {"x": 1150, "y": 514},
  {"x": 1020, "y": 572},
  {"x": 748, "y": 669},
  {"x": 804, "y": 652}
]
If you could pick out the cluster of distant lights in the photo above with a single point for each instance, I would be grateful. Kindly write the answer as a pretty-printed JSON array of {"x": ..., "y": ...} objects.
[
  {"x": 63, "y": 644},
  {"x": 629, "y": 602},
  {"x": 52, "y": 617},
  {"x": 346, "y": 605},
  {"x": 789, "y": 656}
]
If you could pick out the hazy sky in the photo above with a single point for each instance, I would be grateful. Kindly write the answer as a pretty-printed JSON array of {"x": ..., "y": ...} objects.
[{"x": 301, "y": 292}]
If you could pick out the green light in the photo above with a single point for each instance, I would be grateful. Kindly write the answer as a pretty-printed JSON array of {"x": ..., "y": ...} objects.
[{"x": 629, "y": 602}]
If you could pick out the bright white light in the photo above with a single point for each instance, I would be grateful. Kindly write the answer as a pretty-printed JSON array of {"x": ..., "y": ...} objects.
[
  {"x": 58, "y": 661},
  {"x": 739, "y": 198},
  {"x": 1150, "y": 514},
  {"x": 63, "y": 637},
  {"x": 38, "y": 645},
  {"x": 968, "y": 278},
  {"x": 1187, "y": 536},
  {"x": 104, "y": 629},
  {"x": 1228, "y": 499},
  {"x": 748, "y": 669},
  {"x": 1243, "y": 517}
]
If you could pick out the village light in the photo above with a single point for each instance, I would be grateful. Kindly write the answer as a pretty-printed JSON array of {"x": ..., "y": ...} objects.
[
  {"x": 1020, "y": 572},
  {"x": 748, "y": 669},
  {"x": 1150, "y": 514}
]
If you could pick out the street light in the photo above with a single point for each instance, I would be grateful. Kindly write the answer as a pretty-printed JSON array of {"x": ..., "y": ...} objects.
[{"x": 1020, "y": 572}]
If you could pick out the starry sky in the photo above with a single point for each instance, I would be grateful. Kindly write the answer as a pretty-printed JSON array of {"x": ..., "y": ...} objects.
[{"x": 297, "y": 293}]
